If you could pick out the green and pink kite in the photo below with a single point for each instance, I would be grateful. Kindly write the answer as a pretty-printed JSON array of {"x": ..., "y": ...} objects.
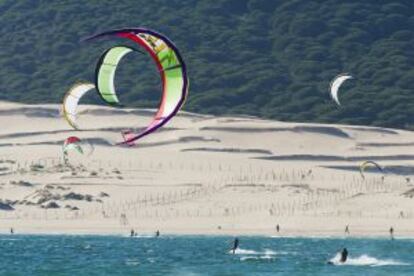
[{"x": 170, "y": 65}]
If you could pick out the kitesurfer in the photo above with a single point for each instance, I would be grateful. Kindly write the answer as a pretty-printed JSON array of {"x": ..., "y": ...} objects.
[
  {"x": 342, "y": 258},
  {"x": 235, "y": 245},
  {"x": 344, "y": 255}
]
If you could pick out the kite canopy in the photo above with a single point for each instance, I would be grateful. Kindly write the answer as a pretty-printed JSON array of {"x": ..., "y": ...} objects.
[
  {"x": 71, "y": 101},
  {"x": 71, "y": 140},
  {"x": 366, "y": 164},
  {"x": 171, "y": 68},
  {"x": 105, "y": 72},
  {"x": 336, "y": 83},
  {"x": 72, "y": 143}
]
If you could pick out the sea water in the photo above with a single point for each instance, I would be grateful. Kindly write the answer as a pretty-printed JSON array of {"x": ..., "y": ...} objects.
[{"x": 201, "y": 255}]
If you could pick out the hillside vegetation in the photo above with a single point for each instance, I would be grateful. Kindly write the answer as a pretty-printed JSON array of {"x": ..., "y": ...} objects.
[{"x": 268, "y": 58}]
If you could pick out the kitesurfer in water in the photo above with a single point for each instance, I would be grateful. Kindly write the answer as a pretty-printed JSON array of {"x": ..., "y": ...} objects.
[
  {"x": 344, "y": 255},
  {"x": 235, "y": 245},
  {"x": 342, "y": 258}
]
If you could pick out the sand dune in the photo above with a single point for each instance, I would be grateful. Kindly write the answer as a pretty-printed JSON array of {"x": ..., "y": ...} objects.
[
  {"x": 200, "y": 174},
  {"x": 64, "y": 131},
  {"x": 333, "y": 131},
  {"x": 313, "y": 129},
  {"x": 230, "y": 150},
  {"x": 245, "y": 129},
  {"x": 374, "y": 144},
  {"x": 397, "y": 170},
  {"x": 372, "y": 129},
  {"x": 94, "y": 141},
  {"x": 31, "y": 112},
  {"x": 308, "y": 157}
]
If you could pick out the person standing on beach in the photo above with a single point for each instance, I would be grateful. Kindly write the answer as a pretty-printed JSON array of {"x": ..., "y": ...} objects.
[
  {"x": 347, "y": 230},
  {"x": 277, "y": 228},
  {"x": 235, "y": 245},
  {"x": 11, "y": 231},
  {"x": 157, "y": 234},
  {"x": 392, "y": 233},
  {"x": 132, "y": 232}
]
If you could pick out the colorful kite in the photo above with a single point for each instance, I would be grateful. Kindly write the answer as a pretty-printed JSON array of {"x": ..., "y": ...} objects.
[
  {"x": 71, "y": 143},
  {"x": 170, "y": 65},
  {"x": 74, "y": 143},
  {"x": 105, "y": 72}
]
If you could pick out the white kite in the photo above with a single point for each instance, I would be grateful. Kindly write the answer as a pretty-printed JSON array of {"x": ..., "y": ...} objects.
[
  {"x": 71, "y": 100},
  {"x": 335, "y": 84}
]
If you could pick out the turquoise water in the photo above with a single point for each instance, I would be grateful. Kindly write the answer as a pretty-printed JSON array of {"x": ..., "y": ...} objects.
[{"x": 200, "y": 255}]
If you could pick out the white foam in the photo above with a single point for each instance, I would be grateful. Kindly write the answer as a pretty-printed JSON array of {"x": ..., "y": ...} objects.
[
  {"x": 143, "y": 237},
  {"x": 246, "y": 254},
  {"x": 264, "y": 257},
  {"x": 240, "y": 251},
  {"x": 132, "y": 262},
  {"x": 151, "y": 260},
  {"x": 271, "y": 252}
]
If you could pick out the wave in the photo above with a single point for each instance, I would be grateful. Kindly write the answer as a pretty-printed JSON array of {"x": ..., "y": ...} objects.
[
  {"x": 132, "y": 262},
  {"x": 365, "y": 260}
]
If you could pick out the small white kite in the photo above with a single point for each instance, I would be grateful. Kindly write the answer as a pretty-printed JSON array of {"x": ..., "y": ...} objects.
[{"x": 336, "y": 83}]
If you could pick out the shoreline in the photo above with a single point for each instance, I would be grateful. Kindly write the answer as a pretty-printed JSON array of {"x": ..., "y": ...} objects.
[
  {"x": 401, "y": 235},
  {"x": 228, "y": 235}
]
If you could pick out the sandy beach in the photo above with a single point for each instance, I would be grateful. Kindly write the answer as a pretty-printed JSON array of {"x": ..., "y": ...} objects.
[{"x": 201, "y": 175}]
